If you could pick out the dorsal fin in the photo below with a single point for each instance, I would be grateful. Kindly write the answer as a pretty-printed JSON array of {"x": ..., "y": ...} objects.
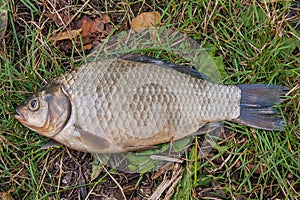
[{"x": 180, "y": 68}]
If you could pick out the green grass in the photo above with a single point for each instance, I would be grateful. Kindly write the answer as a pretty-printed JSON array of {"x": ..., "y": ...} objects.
[{"x": 257, "y": 44}]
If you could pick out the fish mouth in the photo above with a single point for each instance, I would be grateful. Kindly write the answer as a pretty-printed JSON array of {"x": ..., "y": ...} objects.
[{"x": 20, "y": 117}]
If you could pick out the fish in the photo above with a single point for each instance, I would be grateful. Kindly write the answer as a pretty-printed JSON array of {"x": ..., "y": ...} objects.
[{"x": 133, "y": 103}]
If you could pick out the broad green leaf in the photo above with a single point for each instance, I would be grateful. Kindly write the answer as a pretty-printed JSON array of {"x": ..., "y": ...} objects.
[{"x": 179, "y": 145}]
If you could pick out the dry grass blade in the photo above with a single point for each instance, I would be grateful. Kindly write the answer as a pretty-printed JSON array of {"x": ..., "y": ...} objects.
[
  {"x": 168, "y": 182},
  {"x": 116, "y": 182}
]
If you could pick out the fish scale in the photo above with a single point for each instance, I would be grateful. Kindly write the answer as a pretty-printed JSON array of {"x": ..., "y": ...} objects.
[
  {"x": 177, "y": 109},
  {"x": 117, "y": 105}
]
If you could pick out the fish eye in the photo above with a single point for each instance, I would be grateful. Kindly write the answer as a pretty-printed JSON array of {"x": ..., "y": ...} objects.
[{"x": 33, "y": 104}]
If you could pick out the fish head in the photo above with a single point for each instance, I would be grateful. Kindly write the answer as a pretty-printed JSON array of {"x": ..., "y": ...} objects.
[{"x": 47, "y": 112}]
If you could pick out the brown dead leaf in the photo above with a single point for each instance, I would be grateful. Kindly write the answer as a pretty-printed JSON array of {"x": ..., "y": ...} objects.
[
  {"x": 89, "y": 26},
  {"x": 92, "y": 31},
  {"x": 105, "y": 19},
  {"x": 145, "y": 20},
  {"x": 88, "y": 46},
  {"x": 6, "y": 195},
  {"x": 86, "y": 24},
  {"x": 66, "y": 35}
]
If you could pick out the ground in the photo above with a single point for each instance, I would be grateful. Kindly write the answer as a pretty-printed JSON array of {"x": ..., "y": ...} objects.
[{"x": 255, "y": 41}]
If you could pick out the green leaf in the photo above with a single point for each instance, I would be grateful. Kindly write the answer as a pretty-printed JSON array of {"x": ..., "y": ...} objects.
[
  {"x": 96, "y": 168},
  {"x": 146, "y": 167},
  {"x": 161, "y": 149},
  {"x": 221, "y": 67},
  {"x": 179, "y": 145},
  {"x": 132, "y": 168},
  {"x": 136, "y": 159},
  {"x": 142, "y": 164}
]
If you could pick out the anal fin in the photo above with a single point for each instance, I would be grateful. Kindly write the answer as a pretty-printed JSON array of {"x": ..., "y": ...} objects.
[
  {"x": 139, "y": 148},
  {"x": 209, "y": 127}
]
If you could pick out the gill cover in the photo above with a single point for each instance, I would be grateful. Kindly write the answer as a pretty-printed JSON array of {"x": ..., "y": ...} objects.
[{"x": 46, "y": 113}]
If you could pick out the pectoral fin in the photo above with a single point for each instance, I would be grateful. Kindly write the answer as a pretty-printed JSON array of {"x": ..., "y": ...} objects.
[
  {"x": 50, "y": 143},
  {"x": 93, "y": 142}
]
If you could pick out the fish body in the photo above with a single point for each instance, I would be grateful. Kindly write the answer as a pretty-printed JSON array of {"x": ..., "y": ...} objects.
[{"x": 118, "y": 105}]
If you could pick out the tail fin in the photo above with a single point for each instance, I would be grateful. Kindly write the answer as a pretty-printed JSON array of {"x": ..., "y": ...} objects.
[{"x": 256, "y": 106}]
